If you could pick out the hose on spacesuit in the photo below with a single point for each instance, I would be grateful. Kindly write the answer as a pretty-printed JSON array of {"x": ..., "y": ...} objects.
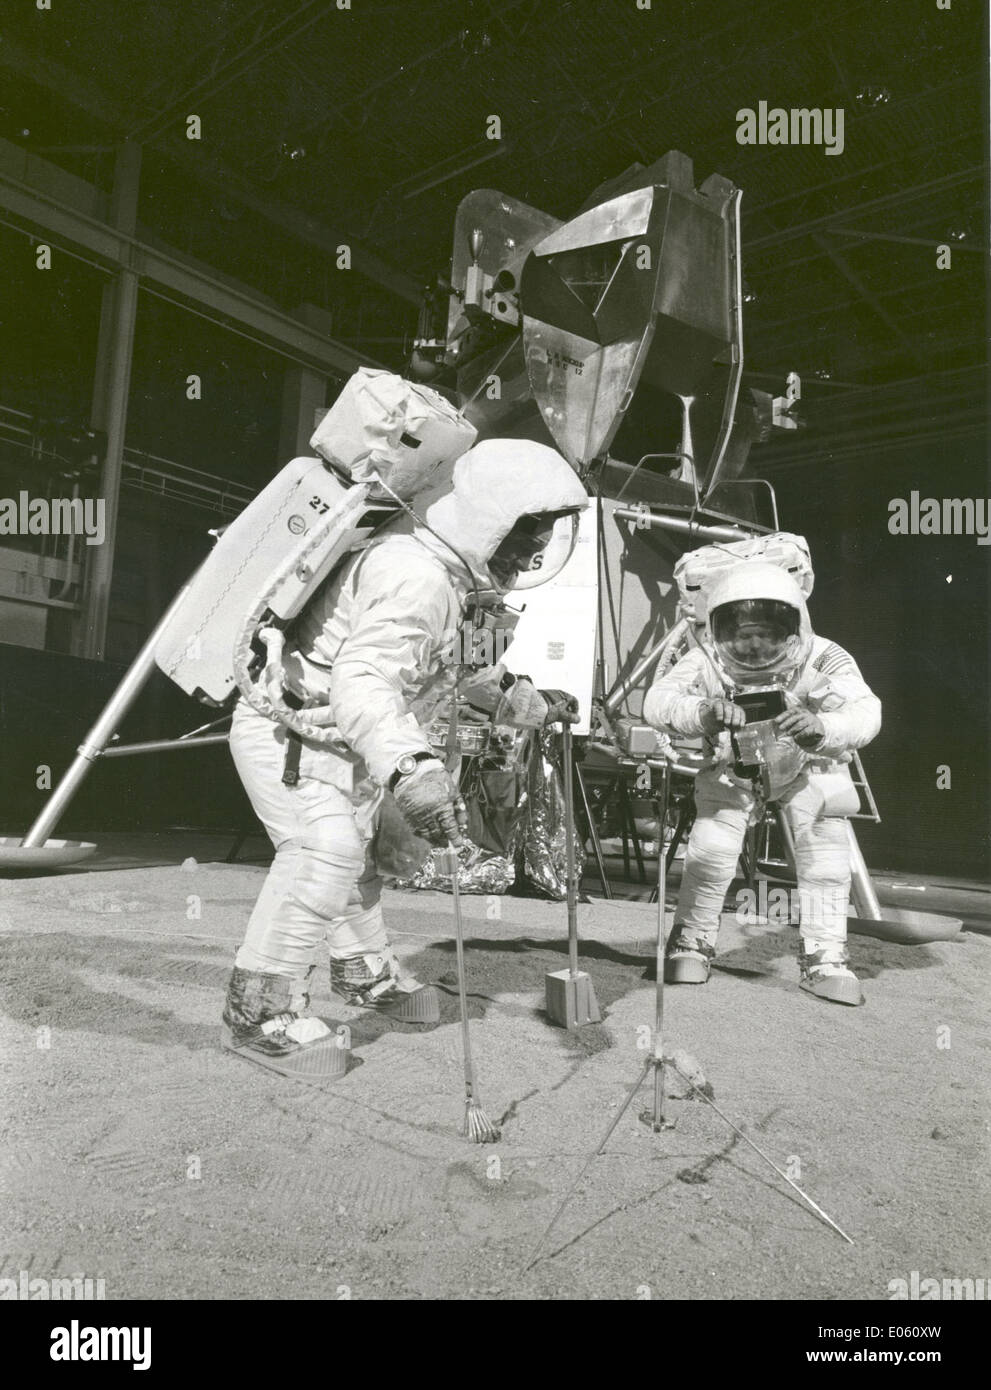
[
  {"x": 421, "y": 521},
  {"x": 679, "y": 636}
]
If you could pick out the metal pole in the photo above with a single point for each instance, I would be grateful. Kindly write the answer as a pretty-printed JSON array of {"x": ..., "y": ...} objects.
[
  {"x": 704, "y": 1095},
  {"x": 113, "y": 384},
  {"x": 567, "y": 757},
  {"x": 735, "y": 269},
  {"x": 613, "y": 701},
  {"x": 656, "y": 1118},
  {"x": 585, "y": 1166},
  {"x": 684, "y": 527},
  {"x": 865, "y": 899},
  {"x": 459, "y": 946},
  {"x": 162, "y": 745},
  {"x": 687, "y": 447},
  {"x": 787, "y": 840},
  {"x": 101, "y": 733},
  {"x": 596, "y": 844}
]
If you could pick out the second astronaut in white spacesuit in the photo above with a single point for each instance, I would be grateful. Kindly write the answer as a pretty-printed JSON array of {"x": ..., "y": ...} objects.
[
  {"x": 374, "y": 645},
  {"x": 758, "y": 635}
]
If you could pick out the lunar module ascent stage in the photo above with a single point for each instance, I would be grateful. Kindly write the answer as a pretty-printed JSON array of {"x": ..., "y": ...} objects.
[{"x": 617, "y": 338}]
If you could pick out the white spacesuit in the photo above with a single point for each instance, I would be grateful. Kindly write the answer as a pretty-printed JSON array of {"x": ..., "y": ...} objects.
[
  {"x": 758, "y": 637},
  {"x": 372, "y": 651}
]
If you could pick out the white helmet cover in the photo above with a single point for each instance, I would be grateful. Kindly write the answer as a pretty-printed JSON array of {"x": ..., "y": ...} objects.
[
  {"x": 756, "y": 580},
  {"x": 489, "y": 489}
]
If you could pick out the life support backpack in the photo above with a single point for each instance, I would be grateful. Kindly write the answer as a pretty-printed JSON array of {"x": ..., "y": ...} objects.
[
  {"x": 380, "y": 443},
  {"x": 696, "y": 570}
]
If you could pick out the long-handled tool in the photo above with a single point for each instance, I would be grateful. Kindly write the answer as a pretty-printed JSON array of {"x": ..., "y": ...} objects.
[
  {"x": 477, "y": 1127},
  {"x": 569, "y": 996},
  {"x": 655, "y": 1117}
]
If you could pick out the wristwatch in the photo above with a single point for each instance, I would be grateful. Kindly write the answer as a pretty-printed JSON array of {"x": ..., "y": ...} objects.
[{"x": 405, "y": 765}]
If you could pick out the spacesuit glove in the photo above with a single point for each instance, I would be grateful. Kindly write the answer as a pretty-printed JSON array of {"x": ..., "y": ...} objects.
[
  {"x": 431, "y": 804},
  {"x": 716, "y": 715},
  {"x": 522, "y": 706},
  {"x": 562, "y": 708},
  {"x": 806, "y": 728}
]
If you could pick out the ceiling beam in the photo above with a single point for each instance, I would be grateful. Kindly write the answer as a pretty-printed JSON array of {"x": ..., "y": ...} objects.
[
  {"x": 334, "y": 108},
  {"x": 221, "y": 71},
  {"x": 816, "y": 307},
  {"x": 871, "y": 299},
  {"x": 828, "y": 220},
  {"x": 87, "y": 95},
  {"x": 953, "y": 244},
  {"x": 159, "y": 270}
]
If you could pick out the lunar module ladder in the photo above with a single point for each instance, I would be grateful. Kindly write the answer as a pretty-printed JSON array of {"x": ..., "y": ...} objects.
[{"x": 862, "y": 892}]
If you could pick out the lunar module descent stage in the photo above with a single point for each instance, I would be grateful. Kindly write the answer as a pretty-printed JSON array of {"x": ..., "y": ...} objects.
[{"x": 617, "y": 338}]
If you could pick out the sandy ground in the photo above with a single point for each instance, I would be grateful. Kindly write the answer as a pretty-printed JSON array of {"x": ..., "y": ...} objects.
[{"x": 135, "y": 1151}]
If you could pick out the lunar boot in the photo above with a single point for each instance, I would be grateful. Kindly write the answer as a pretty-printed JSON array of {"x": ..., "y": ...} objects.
[
  {"x": 687, "y": 957},
  {"x": 265, "y": 1022},
  {"x": 825, "y": 972},
  {"x": 376, "y": 981}
]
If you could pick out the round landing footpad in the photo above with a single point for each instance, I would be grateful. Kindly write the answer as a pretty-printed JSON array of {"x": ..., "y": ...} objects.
[
  {"x": 53, "y": 854},
  {"x": 909, "y": 928}
]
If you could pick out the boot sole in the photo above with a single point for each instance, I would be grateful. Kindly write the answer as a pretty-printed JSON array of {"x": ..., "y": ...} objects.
[
  {"x": 422, "y": 1006},
  {"x": 685, "y": 971},
  {"x": 318, "y": 1063},
  {"x": 836, "y": 991}
]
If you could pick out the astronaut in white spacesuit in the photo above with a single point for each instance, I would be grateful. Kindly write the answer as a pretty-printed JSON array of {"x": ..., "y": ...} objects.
[
  {"x": 758, "y": 636},
  {"x": 374, "y": 644}
]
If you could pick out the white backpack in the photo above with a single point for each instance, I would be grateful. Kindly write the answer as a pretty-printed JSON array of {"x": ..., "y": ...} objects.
[
  {"x": 696, "y": 569},
  {"x": 383, "y": 439}
]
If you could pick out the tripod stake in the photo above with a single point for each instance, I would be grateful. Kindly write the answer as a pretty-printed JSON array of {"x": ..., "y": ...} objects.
[{"x": 569, "y": 996}]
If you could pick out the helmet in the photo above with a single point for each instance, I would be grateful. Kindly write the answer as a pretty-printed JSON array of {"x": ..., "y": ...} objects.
[
  {"x": 754, "y": 631},
  {"x": 758, "y": 625},
  {"x": 537, "y": 548}
]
